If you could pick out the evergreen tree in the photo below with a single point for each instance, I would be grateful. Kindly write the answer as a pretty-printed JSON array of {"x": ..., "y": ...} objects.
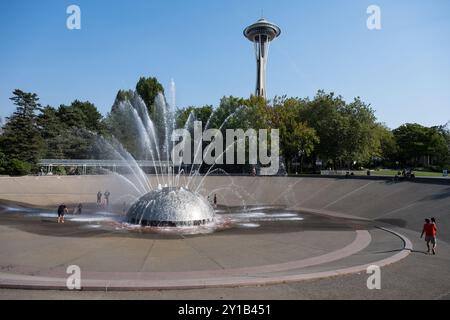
[
  {"x": 69, "y": 132},
  {"x": 21, "y": 142},
  {"x": 1, "y": 125}
]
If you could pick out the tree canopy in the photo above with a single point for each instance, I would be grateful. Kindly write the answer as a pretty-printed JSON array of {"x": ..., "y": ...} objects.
[
  {"x": 148, "y": 89},
  {"x": 415, "y": 141},
  {"x": 323, "y": 130}
]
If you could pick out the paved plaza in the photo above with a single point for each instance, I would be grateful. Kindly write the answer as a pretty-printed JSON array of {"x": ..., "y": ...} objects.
[{"x": 346, "y": 225}]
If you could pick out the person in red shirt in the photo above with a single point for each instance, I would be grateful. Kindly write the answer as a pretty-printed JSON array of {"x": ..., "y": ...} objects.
[{"x": 430, "y": 230}]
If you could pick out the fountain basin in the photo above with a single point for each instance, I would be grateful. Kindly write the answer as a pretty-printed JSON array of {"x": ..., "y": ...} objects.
[{"x": 171, "y": 207}]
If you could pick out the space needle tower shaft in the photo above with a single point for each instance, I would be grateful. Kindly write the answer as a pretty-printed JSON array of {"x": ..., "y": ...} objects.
[{"x": 261, "y": 34}]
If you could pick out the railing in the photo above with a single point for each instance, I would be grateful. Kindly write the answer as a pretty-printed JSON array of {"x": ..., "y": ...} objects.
[{"x": 101, "y": 163}]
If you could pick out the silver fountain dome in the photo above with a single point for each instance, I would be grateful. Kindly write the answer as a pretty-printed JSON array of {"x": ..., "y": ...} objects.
[{"x": 171, "y": 207}]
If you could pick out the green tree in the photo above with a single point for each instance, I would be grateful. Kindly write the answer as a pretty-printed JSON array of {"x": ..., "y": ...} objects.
[
  {"x": 148, "y": 89},
  {"x": 347, "y": 131},
  {"x": 252, "y": 113},
  {"x": 226, "y": 113},
  {"x": 421, "y": 145},
  {"x": 91, "y": 117},
  {"x": 121, "y": 124},
  {"x": 70, "y": 131},
  {"x": 3, "y": 163},
  {"x": 21, "y": 140},
  {"x": 81, "y": 115},
  {"x": 51, "y": 129},
  {"x": 16, "y": 167},
  {"x": 444, "y": 131},
  {"x": 76, "y": 143},
  {"x": 122, "y": 96},
  {"x": 305, "y": 141},
  {"x": 322, "y": 114},
  {"x": 388, "y": 148},
  {"x": 198, "y": 113},
  {"x": 49, "y": 123},
  {"x": 297, "y": 139},
  {"x": 255, "y": 114},
  {"x": 232, "y": 113},
  {"x": 361, "y": 142}
]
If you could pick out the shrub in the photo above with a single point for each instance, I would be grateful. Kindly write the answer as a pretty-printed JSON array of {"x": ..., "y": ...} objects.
[{"x": 17, "y": 167}]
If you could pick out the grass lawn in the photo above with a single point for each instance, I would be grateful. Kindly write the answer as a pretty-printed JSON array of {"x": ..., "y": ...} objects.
[{"x": 417, "y": 173}]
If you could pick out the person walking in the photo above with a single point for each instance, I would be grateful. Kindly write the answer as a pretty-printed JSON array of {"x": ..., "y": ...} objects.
[
  {"x": 99, "y": 198},
  {"x": 62, "y": 210},
  {"x": 430, "y": 231},
  {"x": 433, "y": 221}
]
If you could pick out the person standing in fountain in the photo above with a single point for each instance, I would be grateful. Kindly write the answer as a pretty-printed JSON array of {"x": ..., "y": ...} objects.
[
  {"x": 107, "y": 194},
  {"x": 99, "y": 198},
  {"x": 215, "y": 200},
  {"x": 62, "y": 210}
]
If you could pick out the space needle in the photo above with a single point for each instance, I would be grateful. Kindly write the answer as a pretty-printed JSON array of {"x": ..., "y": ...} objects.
[{"x": 261, "y": 33}]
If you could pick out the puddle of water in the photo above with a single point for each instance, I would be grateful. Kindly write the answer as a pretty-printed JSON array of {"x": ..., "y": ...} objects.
[
  {"x": 249, "y": 225},
  {"x": 44, "y": 215},
  {"x": 205, "y": 229},
  {"x": 87, "y": 219},
  {"x": 281, "y": 215},
  {"x": 239, "y": 217},
  {"x": 261, "y": 208},
  {"x": 93, "y": 226},
  {"x": 282, "y": 219},
  {"x": 246, "y": 215}
]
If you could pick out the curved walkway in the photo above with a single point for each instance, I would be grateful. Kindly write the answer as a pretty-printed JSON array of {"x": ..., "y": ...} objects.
[{"x": 231, "y": 277}]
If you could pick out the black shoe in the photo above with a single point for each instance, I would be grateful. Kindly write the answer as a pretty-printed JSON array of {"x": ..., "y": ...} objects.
[{"x": 434, "y": 252}]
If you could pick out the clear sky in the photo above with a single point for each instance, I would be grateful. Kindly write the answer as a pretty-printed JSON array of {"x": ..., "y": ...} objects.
[{"x": 402, "y": 70}]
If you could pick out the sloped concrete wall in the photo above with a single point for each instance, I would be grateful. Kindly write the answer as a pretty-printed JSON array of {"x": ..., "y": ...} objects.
[{"x": 405, "y": 203}]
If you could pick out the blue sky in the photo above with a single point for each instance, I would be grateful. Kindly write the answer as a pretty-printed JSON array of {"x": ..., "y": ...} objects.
[{"x": 402, "y": 70}]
